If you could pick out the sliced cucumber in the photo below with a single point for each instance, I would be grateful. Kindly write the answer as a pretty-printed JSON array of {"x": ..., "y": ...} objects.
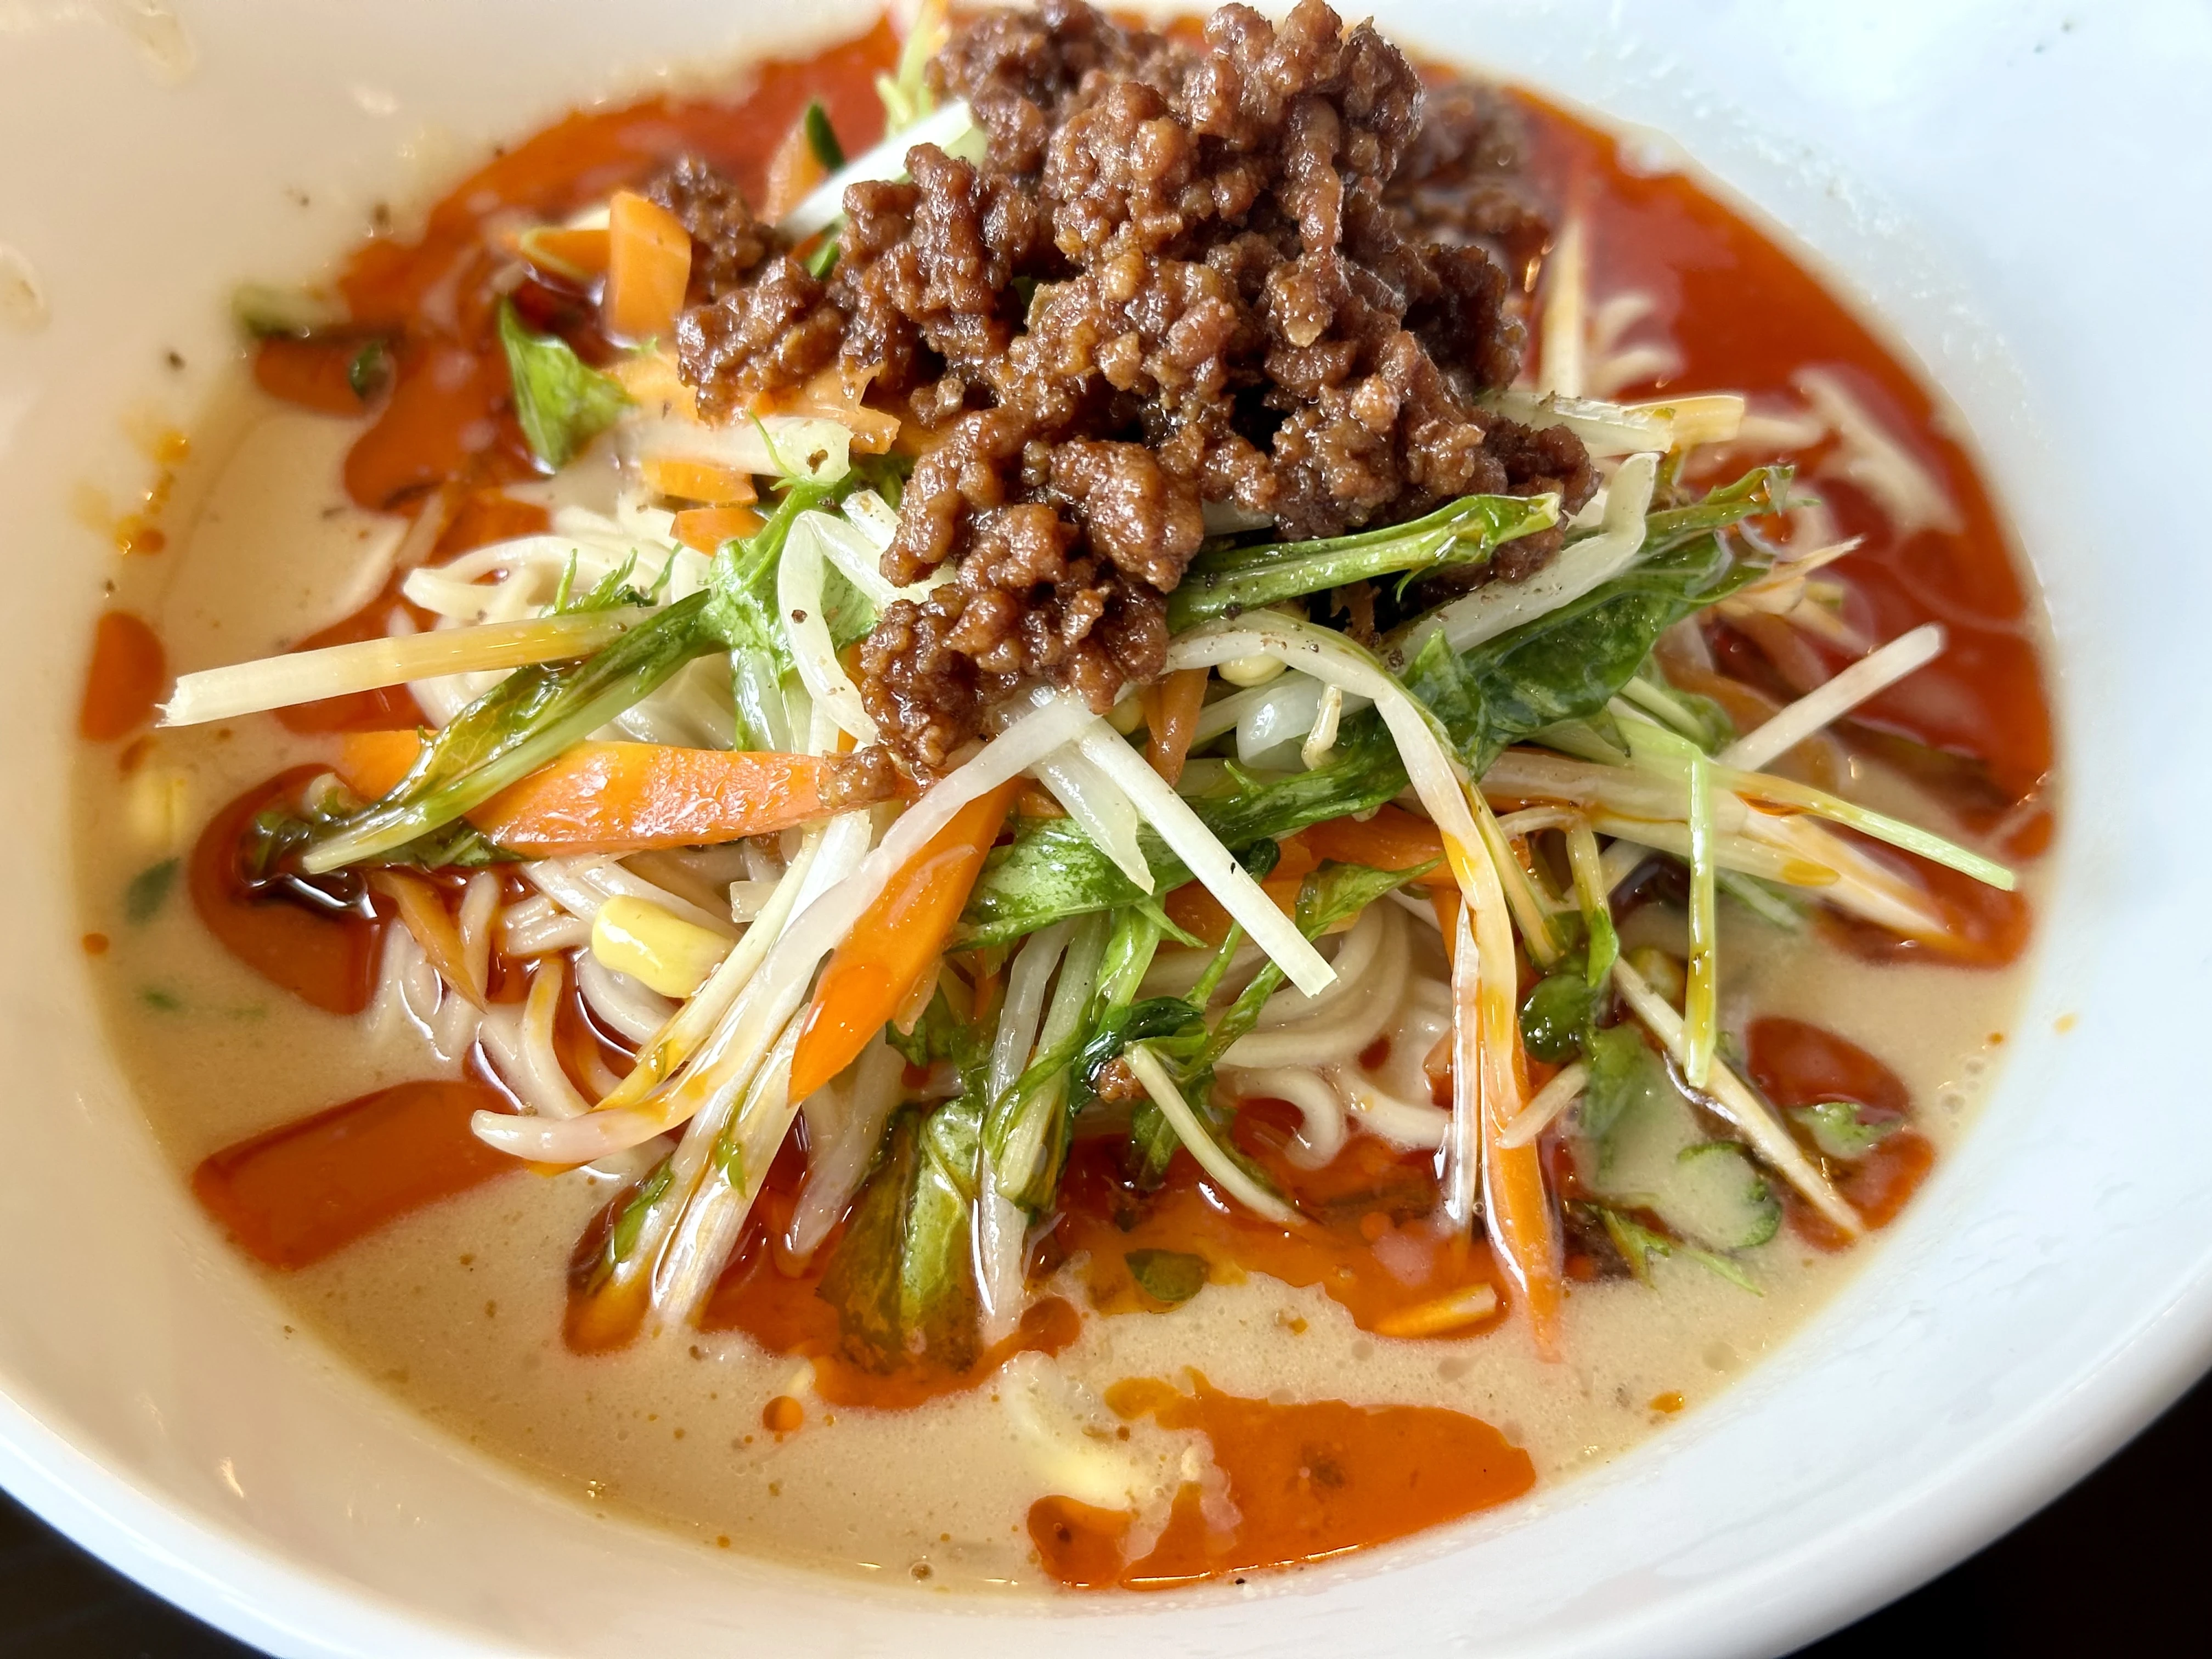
[
  {"x": 1716, "y": 1199},
  {"x": 1840, "y": 1131},
  {"x": 1646, "y": 1149}
]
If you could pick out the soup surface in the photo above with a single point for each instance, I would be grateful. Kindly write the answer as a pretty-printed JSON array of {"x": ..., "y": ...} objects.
[{"x": 1200, "y": 1366}]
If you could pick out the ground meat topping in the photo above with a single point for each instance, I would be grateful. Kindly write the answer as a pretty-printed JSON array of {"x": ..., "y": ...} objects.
[{"x": 1259, "y": 269}]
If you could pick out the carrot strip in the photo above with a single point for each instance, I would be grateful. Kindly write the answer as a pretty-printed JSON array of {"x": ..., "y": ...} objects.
[
  {"x": 792, "y": 172},
  {"x": 704, "y": 529},
  {"x": 572, "y": 255},
  {"x": 1393, "y": 839},
  {"x": 371, "y": 762},
  {"x": 626, "y": 797},
  {"x": 648, "y": 266},
  {"x": 1517, "y": 1203},
  {"x": 896, "y": 941},
  {"x": 1171, "y": 708},
  {"x": 423, "y": 914},
  {"x": 697, "y": 480},
  {"x": 835, "y": 394}
]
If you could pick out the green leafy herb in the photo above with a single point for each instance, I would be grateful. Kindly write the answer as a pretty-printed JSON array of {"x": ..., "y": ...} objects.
[
  {"x": 1762, "y": 490},
  {"x": 1557, "y": 1011},
  {"x": 1331, "y": 894},
  {"x": 1052, "y": 870},
  {"x": 1227, "y": 581},
  {"x": 520, "y": 724},
  {"x": 1568, "y": 663},
  {"x": 1840, "y": 1131},
  {"x": 266, "y": 312},
  {"x": 822, "y": 137},
  {"x": 630, "y": 1226},
  {"x": 1652, "y": 1153},
  {"x": 901, "y": 1280},
  {"x": 149, "y": 891},
  {"x": 1170, "y": 1276},
  {"x": 370, "y": 369},
  {"x": 741, "y": 613},
  {"x": 1639, "y": 1247},
  {"x": 562, "y": 403}
]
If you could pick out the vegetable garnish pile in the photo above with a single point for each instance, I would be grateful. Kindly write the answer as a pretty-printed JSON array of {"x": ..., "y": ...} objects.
[{"x": 956, "y": 970}]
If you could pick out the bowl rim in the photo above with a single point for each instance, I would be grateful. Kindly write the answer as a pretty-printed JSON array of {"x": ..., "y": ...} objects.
[{"x": 214, "y": 1567}]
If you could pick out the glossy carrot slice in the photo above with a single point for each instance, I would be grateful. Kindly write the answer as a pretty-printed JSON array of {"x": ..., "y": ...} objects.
[
  {"x": 1524, "y": 1226},
  {"x": 297, "y": 1193},
  {"x": 1394, "y": 839},
  {"x": 626, "y": 797},
  {"x": 792, "y": 172},
  {"x": 1171, "y": 708},
  {"x": 704, "y": 529},
  {"x": 572, "y": 255},
  {"x": 648, "y": 265},
  {"x": 894, "y": 943},
  {"x": 836, "y": 394},
  {"x": 697, "y": 480}
]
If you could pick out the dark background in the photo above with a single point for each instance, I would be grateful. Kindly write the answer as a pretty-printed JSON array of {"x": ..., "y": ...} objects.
[{"x": 2106, "y": 1569}]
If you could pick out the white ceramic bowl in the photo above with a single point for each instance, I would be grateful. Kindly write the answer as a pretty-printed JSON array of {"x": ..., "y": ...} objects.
[{"x": 2021, "y": 190}]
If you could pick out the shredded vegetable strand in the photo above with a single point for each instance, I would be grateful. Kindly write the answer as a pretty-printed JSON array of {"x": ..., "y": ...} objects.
[
  {"x": 1199, "y": 1141},
  {"x": 1702, "y": 1004},
  {"x": 1497, "y": 608},
  {"x": 1436, "y": 778},
  {"x": 798, "y": 598},
  {"x": 1173, "y": 821},
  {"x": 1527, "y": 908},
  {"x": 1104, "y": 810},
  {"x": 251, "y": 688},
  {"x": 1549, "y": 1106},
  {"x": 1735, "y": 1100},
  {"x": 1462, "y": 1171},
  {"x": 944, "y": 127}
]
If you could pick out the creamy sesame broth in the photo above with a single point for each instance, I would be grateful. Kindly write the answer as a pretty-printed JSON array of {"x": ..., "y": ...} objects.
[{"x": 676, "y": 675}]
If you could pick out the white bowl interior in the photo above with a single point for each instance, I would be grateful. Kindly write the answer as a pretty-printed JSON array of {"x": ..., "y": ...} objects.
[{"x": 2013, "y": 188}]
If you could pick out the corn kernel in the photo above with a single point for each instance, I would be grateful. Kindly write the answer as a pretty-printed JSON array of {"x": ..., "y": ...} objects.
[
  {"x": 1666, "y": 973},
  {"x": 155, "y": 802},
  {"x": 637, "y": 937},
  {"x": 1255, "y": 670}
]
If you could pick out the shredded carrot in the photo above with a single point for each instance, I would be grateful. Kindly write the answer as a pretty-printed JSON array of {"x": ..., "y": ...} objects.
[
  {"x": 1036, "y": 801},
  {"x": 371, "y": 762},
  {"x": 652, "y": 382},
  {"x": 423, "y": 914},
  {"x": 896, "y": 942},
  {"x": 1523, "y": 1223},
  {"x": 648, "y": 265},
  {"x": 697, "y": 480},
  {"x": 792, "y": 172},
  {"x": 835, "y": 394},
  {"x": 704, "y": 529},
  {"x": 571, "y": 256},
  {"x": 1171, "y": 708},
  {"x": 1393, "y": 839},
  {"x": 622, "y": 797}
]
